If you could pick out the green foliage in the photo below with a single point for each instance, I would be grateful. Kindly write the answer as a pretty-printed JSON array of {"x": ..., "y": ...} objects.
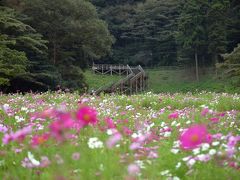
[
  {"x": 24, "y": 46},
  {"x": 73, "y": 78},
  {"x": 12, "y": 63},
  {"x": 147, "y": 27},
  {"x": 231, "y": 66},
  {"x": 72, "y": 28}
]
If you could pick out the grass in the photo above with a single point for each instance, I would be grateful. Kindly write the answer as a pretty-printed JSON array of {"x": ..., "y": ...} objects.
[
  {"x": 169, "y": 81},
  {"x": 96, "y": 81},
  {"x": 142, "y": 114},
  {"x": 172, "y": 81}
]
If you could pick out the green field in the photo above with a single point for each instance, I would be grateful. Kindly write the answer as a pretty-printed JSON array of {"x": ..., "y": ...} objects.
[
  {"x": 96, "y": 81},
  {"x": 170, "y": 81},
  {"x": 148, "y": 147}
]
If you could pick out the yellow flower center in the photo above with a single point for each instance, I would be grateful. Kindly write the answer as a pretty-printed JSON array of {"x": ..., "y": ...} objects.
[
  {"x": 86, "y": 117},
  {"x": 194, "y": 138},
  {"x": 41, "y": 140}
]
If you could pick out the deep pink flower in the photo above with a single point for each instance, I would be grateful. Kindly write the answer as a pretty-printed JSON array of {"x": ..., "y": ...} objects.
[
  {"x": 39, "y": 139},
  {"x": 110, "y": 123},
  {"x": 7, "y": 138},
  {"x": 209, "y": 138},
  {"x": 205, "y": 111},
  {"x": 193, "y": 136},
  {"x": 214, "y": 119},
  {"x": 62, "y": 123},
  {"x": 127, "y": 131},
  {"x": 173, "y": 115},
  {"x": 87, "y": 115}
]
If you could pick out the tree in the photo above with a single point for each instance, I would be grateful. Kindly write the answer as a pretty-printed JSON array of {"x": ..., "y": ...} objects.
[
  {"x": 192, "y": 34},
  {"x": 217, "y": 28},
  {"x": 144, "y": 31},
  {"x": 12, "y": 62},
  {"x": 72, "y": 28}
]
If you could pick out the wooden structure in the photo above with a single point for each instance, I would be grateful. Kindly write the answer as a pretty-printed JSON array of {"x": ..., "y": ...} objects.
[{"x": 134, "y": 81}]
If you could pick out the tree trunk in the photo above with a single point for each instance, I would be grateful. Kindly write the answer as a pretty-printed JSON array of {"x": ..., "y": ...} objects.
[
  {"x": 196, "y": 63},
  {"x": 54, "y": 52}
]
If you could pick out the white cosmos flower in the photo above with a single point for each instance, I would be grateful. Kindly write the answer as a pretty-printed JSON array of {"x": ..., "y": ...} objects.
[
  {"x": 140, "y": 164},
  {"x": 191, "y": 162},
  {"x": 212, "y": 152},
  {"x": 205, "y": 146},
  {"x": 188, "y": 122},
  {"x": 167, "y": 134},
  {"x": 174, "y": 151},
  {"x": 178, "y": 165},
  {"x": 215, "y": 143},
  {"x": 19, "y": 119},
  {"x": 95, "y": 143},
  {"x": 196, "y": 151},
  {"x": 32, "y": 159},
  {"x": 175, "y": 178},
  {"x": 163, "y": 173}
]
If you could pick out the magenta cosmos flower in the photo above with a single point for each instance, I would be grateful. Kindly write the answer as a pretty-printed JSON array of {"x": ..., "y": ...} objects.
[
  {"x": 193, "y": 136},
  {"x": 173, "y": 115},
  {"x": 87, "y": 115}
]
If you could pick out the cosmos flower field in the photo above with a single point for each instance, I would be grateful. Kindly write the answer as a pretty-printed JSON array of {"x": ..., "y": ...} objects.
[{"x": 148, "y": 136}]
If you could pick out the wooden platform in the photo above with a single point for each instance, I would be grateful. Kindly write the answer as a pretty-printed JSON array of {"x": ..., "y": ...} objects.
[{"x": 134, "y": 78}]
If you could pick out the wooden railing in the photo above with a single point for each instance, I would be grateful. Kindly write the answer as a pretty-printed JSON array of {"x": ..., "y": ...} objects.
[{"x": 134, "y": 82}]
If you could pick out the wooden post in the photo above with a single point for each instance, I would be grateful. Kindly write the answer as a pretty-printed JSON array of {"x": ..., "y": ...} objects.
[{"x": 136, "y": 86}]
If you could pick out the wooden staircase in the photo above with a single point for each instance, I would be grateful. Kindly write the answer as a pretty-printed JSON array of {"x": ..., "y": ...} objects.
[{"x": 135, "y": 80}]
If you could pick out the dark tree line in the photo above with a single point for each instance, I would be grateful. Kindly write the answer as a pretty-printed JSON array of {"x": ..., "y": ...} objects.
[
  {"x": 48, "y": 43},
  {"x": 169, "y": 32}
]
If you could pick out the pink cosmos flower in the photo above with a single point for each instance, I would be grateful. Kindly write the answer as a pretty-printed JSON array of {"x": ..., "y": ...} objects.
[
  {"x": 133, "y": 169},
  {"x": 113, "y": 140},
  {"x": 204, "y": 112},
  {"x": 173, "y": 115},
  {"x": 87, "y": 115},
  {"x": 135, "y": 145},
  {"x": 17, "y": 136},
  {"x": 127, "y": 131},
  {"x": 193, "y": 136},
  {"x": 233, "y": 140},
  {"x": 39, "y": 139},
  {"x": 61, "y": 124},
  {"x": 152, "y": 155},
  {"x": 76, "y": 156},
  {"x": 217, "y": 136},
  {"x": 7, "y": 138},
  {"x": 3, "y": 128},
  {"x": 214, "y": 119},
  {"x": 110, "y": 123},
  {"x": 44, "y": 161},
  {"x": 209, "y": 138}
]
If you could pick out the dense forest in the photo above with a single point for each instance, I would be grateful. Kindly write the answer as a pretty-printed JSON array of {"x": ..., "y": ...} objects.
[{"x": 46, "y": 44}]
